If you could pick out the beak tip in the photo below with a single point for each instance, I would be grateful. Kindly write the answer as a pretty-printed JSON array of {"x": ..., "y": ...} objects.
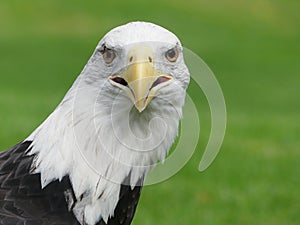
[
  {"x": 143, "y": 103},
  {"x": 139, "y": 108}
]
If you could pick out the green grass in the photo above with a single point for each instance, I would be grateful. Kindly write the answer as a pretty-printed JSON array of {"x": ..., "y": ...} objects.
[{"x": 253, "y": 48}]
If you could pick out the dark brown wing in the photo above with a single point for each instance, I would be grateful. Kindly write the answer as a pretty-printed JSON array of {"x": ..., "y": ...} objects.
[
  {"x": 126, "y": 207},
  {"x": 24, "y": 202}
]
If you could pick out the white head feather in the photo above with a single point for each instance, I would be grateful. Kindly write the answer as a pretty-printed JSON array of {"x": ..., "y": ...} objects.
[{"x": 96, "y": 136}]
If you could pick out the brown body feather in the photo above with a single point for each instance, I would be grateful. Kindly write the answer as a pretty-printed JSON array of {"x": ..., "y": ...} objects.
[{"x": 24, "y": 202}]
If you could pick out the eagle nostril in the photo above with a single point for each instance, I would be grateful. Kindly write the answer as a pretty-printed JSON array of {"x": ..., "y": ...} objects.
[
  {"x": 120, "y": 80},
  {"x": 160, "y": 80}
]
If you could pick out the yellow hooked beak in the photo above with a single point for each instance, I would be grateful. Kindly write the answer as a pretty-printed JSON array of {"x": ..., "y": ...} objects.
[{"x": 140, "y": 80}]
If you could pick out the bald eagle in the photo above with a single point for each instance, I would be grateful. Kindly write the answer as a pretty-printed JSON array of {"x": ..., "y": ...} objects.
[{"x": 86, "y": 163}]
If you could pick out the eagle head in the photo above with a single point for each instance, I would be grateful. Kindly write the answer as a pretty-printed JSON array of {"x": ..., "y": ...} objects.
[{"x": 118, "y": 120}]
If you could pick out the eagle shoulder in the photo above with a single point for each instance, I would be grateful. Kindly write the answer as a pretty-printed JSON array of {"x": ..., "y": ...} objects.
[{"x": 23, "y": 201}]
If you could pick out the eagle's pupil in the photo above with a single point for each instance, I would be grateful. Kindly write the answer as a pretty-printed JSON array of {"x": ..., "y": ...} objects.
[
  {"x": 108, "y": 54},
  {"x": 171, "y": 53}
]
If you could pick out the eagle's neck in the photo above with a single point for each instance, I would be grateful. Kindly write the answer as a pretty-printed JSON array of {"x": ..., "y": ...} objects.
[{"x": 100, "y": 146}]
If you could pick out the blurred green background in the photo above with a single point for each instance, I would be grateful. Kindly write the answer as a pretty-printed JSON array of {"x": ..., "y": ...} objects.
[{"x": 252, "y": 47}]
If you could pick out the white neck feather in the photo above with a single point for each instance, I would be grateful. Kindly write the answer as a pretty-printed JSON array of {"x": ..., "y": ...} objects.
[{"x": 98, "y": 140}]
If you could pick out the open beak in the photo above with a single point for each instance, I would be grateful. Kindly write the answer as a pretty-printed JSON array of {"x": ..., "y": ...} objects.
[{"x": 140, "y": 80}]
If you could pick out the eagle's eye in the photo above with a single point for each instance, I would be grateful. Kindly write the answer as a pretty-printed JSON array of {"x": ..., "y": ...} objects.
[
  {"x": 172, "y": 54},
  {"x": 108, "y": 55}
]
